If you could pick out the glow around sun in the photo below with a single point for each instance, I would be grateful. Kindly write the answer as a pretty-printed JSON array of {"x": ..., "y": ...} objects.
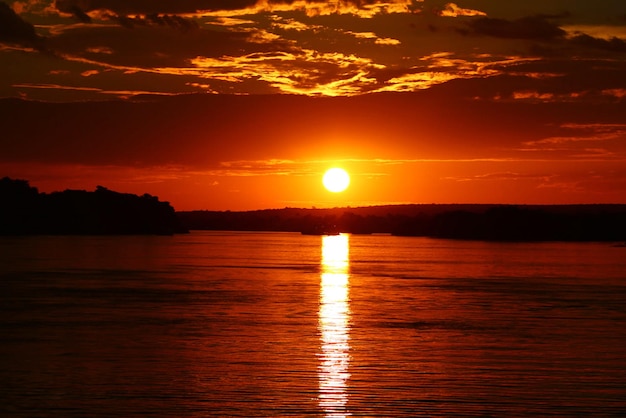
[{"x": 336, "y": 180}]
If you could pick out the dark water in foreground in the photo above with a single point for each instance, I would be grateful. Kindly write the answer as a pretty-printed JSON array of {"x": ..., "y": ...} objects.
[{"x": 275, "y": 324}]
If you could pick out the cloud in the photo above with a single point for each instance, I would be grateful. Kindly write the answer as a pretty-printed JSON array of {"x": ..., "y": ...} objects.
[
  {"x": 586, "y": 132},
  {"x": 452, "y": 10},
  {"x": 363, "y": 8},
  {"x": 613, "y": 44},
  {"x": 541, "y": 28},
  {"x": 585, "y": 185},
  {"x": 559, "y": 79},
  {"x": 500, "y": 176},
  {"x": 592, "y": 141},
  {"x": 230, "y": 21},
  {"x": 157, "y": 49},
  {"x": 15, "y": 30},
  {"x": 286, "y": 47},
  {"x": 602, "y": 31},
  {"x": 377, "y": 40},
  {"x": 616, "y": 93},
  {"x": 79, "y": 14},
  {"x": 119, "y": 93},
  {"x": 132, "y": 14},
  {"x": 303, "y": 72},
  {"x": 305, "y": 167},
  {"x": 604, "y": 182},
  {"x": 143, "y": 7},
  {"x": 530, "y": 27},
  {"x": 252, "y": 168},
  {"x": 154, "y": 19}
]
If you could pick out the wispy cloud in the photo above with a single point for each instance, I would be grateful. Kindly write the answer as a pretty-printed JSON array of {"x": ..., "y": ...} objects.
[
  {"x": 501, "y": 176},
  {"x": 606, "y": 32},
  {"x": 376, "y": 166},
  {"x": 452, "y": 10},
  {"x": 118, "y": 93},
  {"x": 586, "y": 132},
  {"x": 303, "y": 72},
  {"x": 376, "y": 38},
  {"x": 529, "y": 27},
  {"x": 591, "y": 184}
]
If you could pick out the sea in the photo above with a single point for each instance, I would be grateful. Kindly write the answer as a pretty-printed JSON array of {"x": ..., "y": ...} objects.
[{"x": 246, "y": 324}]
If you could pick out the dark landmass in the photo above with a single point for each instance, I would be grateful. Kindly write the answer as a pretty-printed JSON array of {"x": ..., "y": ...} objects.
[
  {"x": 600, "y": 222},
  {"x": 25, "y": 211}
]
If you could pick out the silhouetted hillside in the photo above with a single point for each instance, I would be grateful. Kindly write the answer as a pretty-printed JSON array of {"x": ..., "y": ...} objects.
[
  {"x": 25, "y": 211},
  {"x": 463, "y": 221}
]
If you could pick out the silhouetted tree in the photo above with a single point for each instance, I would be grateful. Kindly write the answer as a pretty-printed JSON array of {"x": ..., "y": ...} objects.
[
  {"x": 18, "y": 206},
  {"x": 25, "y": 211}
]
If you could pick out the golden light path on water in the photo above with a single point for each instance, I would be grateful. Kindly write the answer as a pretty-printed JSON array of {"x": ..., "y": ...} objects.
[{"x": 334, "y": 315}]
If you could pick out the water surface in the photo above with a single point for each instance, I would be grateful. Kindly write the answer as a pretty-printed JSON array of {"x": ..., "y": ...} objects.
[{"x": 276, "y": 324}]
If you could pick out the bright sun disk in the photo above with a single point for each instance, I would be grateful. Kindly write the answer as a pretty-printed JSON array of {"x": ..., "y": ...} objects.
[{"x": 336, "y": 180}]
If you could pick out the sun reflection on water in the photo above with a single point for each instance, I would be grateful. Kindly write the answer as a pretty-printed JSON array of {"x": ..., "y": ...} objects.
[{"x": 334, "y": 314}]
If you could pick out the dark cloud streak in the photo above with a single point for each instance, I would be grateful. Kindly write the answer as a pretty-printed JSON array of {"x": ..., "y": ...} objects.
[
  {"x": 144, "y": 7},
  {"x": 612, "y": 45},
  {"x": 530, "y": 27},
  {"x": 172, "y": 21},
  {"x": 80, "y": 14},
  {"x": 15, "y": 30},
  {"x": 136, "y": 48},
  {"x": 539, "y": 28}
]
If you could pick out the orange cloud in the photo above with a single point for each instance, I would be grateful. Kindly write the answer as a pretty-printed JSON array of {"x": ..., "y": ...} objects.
[
  {"x": 230, "y": 21},
  {"x": 294, "y": 73},
  {"x": 443, "y": 67},
  {"x": 324, "y": 8},
  {"x": 500, "y": 176},
  {"x": 587, "y": 132},
  {"x": 452, "y": 10},
  {"x": 605, "y": 32},
  {"x": 533, "y": 95},
  {"x": 618, "y": 93},
  {"x": 291, "y": 24},
  {"x": 376, "y": 38},
  {"x": 119, "y": 93},
  {"x": 313, "y": 8},
  {"x": 100, "y": 50}
]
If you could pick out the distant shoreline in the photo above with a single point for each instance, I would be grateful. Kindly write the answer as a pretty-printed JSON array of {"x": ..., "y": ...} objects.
[
  {"x": 489, "y": 222},
  {"x": 25, "y": 211}
]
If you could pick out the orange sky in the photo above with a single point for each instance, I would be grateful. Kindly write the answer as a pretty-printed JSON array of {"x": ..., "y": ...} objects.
[{"x": 245, "y": 107}]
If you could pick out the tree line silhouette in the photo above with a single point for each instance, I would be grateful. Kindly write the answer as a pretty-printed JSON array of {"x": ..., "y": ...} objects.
[
  {"x": 476, "y": 222},
  {"x": 515, "y": 223},
  {"x": 25, "y": 211}
]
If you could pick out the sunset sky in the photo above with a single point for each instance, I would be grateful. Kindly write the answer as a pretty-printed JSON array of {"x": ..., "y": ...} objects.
[{"x": 243, "y": 104}]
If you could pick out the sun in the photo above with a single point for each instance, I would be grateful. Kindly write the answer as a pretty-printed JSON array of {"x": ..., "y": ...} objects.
[{"x": 336, "y": 180}]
